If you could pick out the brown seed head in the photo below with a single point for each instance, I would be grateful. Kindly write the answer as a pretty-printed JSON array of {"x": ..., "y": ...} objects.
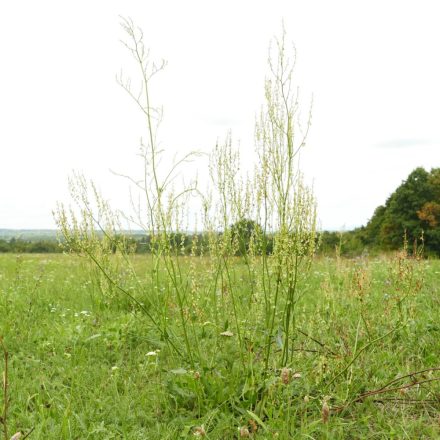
[
  {"x": 253, "y": 425},
  {"x": 325, "y": 412},
  {"x": 285, "y": 375}
]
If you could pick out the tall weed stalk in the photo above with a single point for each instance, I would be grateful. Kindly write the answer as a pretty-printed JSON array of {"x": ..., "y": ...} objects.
[{"x": 258, "y": 240}]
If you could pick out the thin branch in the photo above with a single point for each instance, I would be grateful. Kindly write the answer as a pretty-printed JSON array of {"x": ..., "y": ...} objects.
[
  {"x": 321, "y": 344},
  {"x": 386, "y": 388},
  {"x": 415, "y": 373},
  {"x": 29, "y": 433}
]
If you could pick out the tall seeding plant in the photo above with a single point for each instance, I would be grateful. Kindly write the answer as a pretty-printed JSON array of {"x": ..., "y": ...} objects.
[
  {"x": 231, "y": 290},
  {"x": 286, "y": 207}
]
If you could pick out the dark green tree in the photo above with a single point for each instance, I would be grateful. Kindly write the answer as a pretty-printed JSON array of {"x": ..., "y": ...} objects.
[
  {"x": 413, "y": 209},
  {"x": 371, "y": 232},
  {"x": 242, "y": 232}
]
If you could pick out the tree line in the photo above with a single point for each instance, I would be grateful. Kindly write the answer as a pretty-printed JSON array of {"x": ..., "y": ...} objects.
[{"x": 411, "y": 212}]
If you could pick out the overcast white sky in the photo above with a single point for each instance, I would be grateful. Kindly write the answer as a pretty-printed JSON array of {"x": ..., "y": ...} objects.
[{"x": 373, "y": 68}]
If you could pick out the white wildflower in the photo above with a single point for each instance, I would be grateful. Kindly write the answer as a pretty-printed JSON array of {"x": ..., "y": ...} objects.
[{"x": 199, "y": 431}]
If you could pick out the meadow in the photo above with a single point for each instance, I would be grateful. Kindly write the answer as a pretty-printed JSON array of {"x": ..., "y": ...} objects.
[
  {"x": 86, "y": 362},
  {"x": 229, "y": 325}
]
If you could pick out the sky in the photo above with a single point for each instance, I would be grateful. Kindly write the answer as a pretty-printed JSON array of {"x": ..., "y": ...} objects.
[{"x": 371, "y": 67}]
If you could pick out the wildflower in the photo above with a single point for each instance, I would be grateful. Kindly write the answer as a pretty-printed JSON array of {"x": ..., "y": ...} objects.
[
  {"x": 199, "y": 431},
  {"x": 297, "y": 376},
  {"x": 16, "y": 436},
  {"x": 244, "y": 432},
  {"x": 227, "y": 334}
]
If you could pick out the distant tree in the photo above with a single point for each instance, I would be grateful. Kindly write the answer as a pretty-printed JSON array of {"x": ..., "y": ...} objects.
[
  {"x": 430, "y": 213},
  {"x": 42, "y": 247},
  {"x": 330, "y": 241},
  {"x": 373, "y": 228},
  {"x": 4, "y": 246},
  {"x": 413, "y": 209},
  {"x": 242, "y": 232}
]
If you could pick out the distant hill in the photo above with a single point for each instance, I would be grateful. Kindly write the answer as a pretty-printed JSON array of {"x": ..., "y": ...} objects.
[
  {"x": 29, "y": 234},
  {"x": 412, "y": 210},
  {"x": 34, "y": 235}
]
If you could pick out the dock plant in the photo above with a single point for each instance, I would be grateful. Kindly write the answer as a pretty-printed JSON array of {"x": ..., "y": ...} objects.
[{"x": 229, "y": 306}]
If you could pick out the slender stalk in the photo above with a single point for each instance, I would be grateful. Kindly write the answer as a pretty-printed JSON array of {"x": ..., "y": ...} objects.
[
  {"x": 132, "y": 298},
  {"x": 4, "y": 418},
  {"x": 234, "y": 306}
]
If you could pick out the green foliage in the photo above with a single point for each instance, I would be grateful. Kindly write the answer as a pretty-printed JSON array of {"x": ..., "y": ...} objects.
[
  {"x": 229, "y": 330},
  {"x": 413, "y": 209},
  {"x": 14, "y": 245},
  {"x": 267, "y": 216},
  {"x": 346, "y": 243},
  {"x": 81, "y": 370},
  {"x": 411, "y": 213},
  {"x": 244, "y": 231}
]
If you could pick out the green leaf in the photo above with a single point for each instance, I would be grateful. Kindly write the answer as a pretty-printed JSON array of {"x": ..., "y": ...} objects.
[
  {"x": 93, "y": 337},
  {"x": 179, "y": 371}
]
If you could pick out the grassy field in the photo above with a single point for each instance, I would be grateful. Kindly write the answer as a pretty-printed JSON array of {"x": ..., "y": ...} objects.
[{"x": 86, "y": 363}]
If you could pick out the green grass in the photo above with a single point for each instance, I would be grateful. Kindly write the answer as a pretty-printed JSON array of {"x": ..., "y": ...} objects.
[{"x": 87, "y": 366}]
